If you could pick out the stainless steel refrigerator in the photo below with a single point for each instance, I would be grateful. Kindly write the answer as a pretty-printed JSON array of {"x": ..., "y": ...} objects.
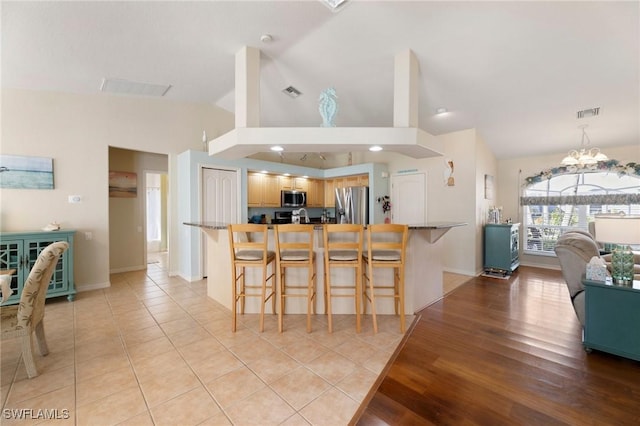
[{"x": 352, "y": 205}]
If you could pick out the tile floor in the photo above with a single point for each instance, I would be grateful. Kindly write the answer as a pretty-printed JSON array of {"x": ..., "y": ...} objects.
[{"x": 153, "y": 349}]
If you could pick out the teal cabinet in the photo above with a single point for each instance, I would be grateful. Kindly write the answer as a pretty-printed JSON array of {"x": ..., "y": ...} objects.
[
  {"x": 501, "y": 247},
  {"x": 19, "y": 251},
  {"x": 612, "y": 318}
]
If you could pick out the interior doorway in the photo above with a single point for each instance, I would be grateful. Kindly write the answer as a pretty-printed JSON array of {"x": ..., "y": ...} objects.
[{"x": 156, "y": 229}]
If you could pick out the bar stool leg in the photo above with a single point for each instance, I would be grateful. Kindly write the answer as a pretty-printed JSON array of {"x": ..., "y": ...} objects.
[
  {"x": 282, "y": 272},
  {"x": 401, "y": 299},
  {"x": 310, "y": 297},
  {"x": 234, "y": 306},
  {"x": 327, "y": 299},
  {"x": 358, "y": 296},
  {"x": 372, "y": 297},
  {"x": 242, "y": 289}
]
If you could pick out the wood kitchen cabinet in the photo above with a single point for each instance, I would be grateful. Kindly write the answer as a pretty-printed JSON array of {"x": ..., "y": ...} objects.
[
  {"x": 315, "y": 193},
  {"x": 263, "y": 190},
  {"x": 329, "y": 193},
  {"x": 293, "y": 183}
]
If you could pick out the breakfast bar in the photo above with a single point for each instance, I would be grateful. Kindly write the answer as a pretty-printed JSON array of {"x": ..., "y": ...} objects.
[{"x": 423, "y": 269}]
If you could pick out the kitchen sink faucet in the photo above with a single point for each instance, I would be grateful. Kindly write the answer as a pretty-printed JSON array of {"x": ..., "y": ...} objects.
[{"x": 297, "y": 213}]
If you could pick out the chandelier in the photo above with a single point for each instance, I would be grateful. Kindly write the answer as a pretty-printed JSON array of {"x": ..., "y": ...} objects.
[{"x": 585, "y": 156}]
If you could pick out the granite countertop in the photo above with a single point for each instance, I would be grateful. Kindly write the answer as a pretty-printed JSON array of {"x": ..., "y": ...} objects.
[{"x": 318, "y": 226}]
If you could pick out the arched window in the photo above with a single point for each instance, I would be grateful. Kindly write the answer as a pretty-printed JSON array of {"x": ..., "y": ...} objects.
[{"x": 557, "y": 200}]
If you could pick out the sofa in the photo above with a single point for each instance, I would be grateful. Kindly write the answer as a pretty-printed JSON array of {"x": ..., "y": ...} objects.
[{"x": 574, "y": 251}]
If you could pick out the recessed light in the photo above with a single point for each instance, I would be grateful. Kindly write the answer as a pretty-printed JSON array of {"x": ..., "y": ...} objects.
[
  {"x": 375, "y": 148},
  {"x": 264, "y": 172},
  {"x": 277, "y": 148},
  {"x": 305, "y": 177},
  {"x": 441, "y": 110}
]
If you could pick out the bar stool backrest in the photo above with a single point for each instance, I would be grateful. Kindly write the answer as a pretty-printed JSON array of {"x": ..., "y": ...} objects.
[
  {"x": 245, "y": 242},
  {"x": 387, "y": 242},
  {"x": 343, "y": 242},
  {"x": 294, "y": 242}
]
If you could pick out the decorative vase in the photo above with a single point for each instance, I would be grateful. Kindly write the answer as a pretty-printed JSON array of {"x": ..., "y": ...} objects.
[
  {"x": 622, "y": 265},
  {"x": 328, "y": 107}
]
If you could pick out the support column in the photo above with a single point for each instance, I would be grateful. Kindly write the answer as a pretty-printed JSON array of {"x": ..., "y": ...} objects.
[
  {"x": 405, "y": 90},
  {"x": 247, "y": 87}
]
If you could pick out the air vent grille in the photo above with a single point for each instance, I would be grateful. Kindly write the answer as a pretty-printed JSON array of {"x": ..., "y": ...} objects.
[
  {"x": 590, "y": 112},
  {"x": 291, "y": 92},
  {"x": 114, "y": 85}
]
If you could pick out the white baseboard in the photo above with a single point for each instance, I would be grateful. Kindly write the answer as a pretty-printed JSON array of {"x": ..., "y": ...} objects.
[
  {"x": 127, "y": 269},
  {"x": 89, "y": 287},
  {"x": 542, "y": 266},
  {"x": 459, "y": 272}
]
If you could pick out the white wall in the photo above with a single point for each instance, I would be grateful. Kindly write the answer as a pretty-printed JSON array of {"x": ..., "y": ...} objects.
[
  {"x": 462, "y": 202},
  {"x": 76, "y": 131}
]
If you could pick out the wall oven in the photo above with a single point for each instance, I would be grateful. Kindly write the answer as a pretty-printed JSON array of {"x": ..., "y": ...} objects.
[{"x": 293, "y": 199}]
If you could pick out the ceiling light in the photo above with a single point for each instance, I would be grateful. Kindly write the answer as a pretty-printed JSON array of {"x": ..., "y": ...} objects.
[
  {"x": 375, "y": 148},
  {"x": 585, "y": 157},
  {"x": 277, "y": 148},
  {"x": 334, "y": 5},
  {"x": 264, "y": 172},
  {"x": 266, "y": 38},
  {"x": 441, "y": 110},
  {"x": 286, "y": 174},
  {"x": 114, "y": 85}
]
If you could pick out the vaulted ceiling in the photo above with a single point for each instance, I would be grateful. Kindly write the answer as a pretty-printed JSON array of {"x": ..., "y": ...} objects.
[{"x": 516, "y": 71}]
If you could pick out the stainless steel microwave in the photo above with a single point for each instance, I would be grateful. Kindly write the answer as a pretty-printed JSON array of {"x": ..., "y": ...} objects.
[{"x": 293, "y": 198}]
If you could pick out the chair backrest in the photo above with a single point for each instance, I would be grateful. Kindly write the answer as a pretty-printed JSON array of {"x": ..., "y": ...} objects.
[
  {"x": 343, "y": 238},
  {"x": 388, "y": 240},
  {"x": 574, "y": 251},
  {"x": 243, "y": 242},
  {"x": 34, "y": 293},
  {"x": 294, "y": 241}
]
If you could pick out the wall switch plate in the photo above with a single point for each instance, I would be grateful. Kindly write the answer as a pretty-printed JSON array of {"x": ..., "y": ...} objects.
[{"x": 74, "y": 199}]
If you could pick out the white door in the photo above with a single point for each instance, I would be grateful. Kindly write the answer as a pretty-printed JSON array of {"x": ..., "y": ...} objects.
[
  {"x": 219, "y": 201},
  {"x": 409, "y": 198}
]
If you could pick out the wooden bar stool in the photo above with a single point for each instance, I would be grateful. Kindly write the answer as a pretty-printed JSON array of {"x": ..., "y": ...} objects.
[
  {"x": 254, "y": 254},
  {"x": 294, "y": 249},
  {"x": 386, "y": 248},
  {"x": 342, "y": 249}
]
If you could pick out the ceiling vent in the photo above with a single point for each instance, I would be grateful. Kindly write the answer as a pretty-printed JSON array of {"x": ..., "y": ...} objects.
[
  {"x": 590, "y": 112},
  {"x": 291, "y": 92},
  {"x": 125, "y": 87}
]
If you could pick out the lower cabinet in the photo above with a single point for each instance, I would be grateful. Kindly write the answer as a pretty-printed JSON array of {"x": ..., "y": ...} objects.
[{"x": 19, "y": 251}]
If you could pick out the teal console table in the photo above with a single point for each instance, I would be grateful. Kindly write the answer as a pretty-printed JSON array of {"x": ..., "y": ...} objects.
[
  {"x": 19, "y": 251},
  {"x": 612, "y": 318},
  {"x": 501, "y": 242}
]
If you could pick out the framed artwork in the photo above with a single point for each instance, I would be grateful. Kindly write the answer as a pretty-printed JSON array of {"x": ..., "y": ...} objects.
[
  {"x": 21, "y": 172},
  {"x": 123, "y": 185},
  {"x": 488, "y": 187}
]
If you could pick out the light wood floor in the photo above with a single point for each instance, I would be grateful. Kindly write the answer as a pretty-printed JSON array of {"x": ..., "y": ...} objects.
[{"x": 498, "y": 352}]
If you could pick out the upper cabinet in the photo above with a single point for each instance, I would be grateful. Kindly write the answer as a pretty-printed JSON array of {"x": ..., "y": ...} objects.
[
  {"x": 343, "y": 182},
  {"x": 315, "y": 193},
  {"x": 293, "y": 183},
  {"x": 263, "y": 190}
]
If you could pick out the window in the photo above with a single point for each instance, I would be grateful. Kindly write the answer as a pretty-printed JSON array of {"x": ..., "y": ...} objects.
[{"x": 556, "y": 201}]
